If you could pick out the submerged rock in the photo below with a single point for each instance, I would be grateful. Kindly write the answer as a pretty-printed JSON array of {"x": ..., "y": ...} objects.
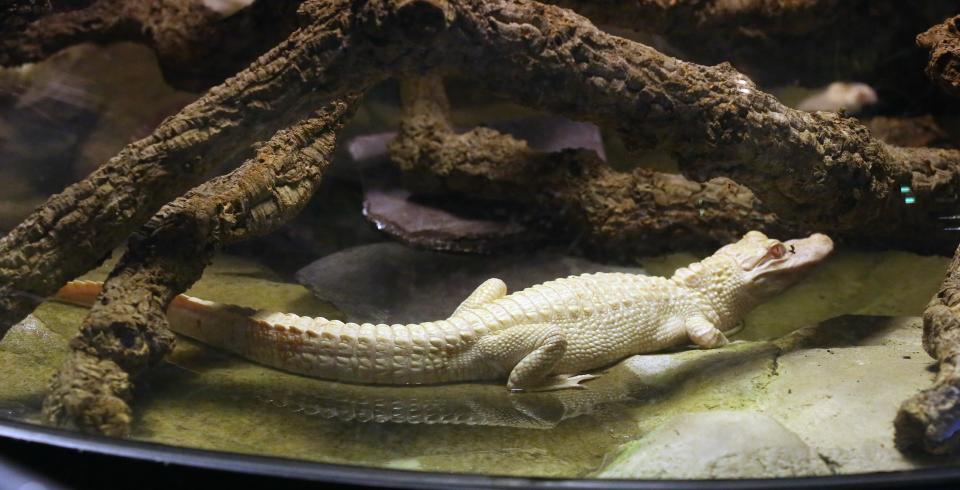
[
  {"x": 390, "y": 282},
  {"x": 718, "y": 444},
  {"x": 30, "y": 353}
]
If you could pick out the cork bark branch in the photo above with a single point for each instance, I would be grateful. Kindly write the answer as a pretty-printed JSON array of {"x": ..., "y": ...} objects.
[
  {"x": 928, "y": 421},
  {"x": 612, "y": 214},
  {"x": 820, "y": 170},
  {"x": 126, "y": 331},
  {"x": 943, "y": 43}
]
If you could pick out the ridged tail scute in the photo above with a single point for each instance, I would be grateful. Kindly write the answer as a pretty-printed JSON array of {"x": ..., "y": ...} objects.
[{"x": 358, "y": 353}]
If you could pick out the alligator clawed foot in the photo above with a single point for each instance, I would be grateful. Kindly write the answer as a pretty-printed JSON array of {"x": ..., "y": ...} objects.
[{"x": 560, "y": 382}]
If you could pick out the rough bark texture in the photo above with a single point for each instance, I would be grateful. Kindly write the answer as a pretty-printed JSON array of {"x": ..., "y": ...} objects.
[
  {"x": 196, "y": 47},
  {"x": 16, "y": 14},
  {"x": 611, "y": 214},
  {"x": 126, "y": 331},
  {"x": 929, "y": 420},
  {"x": 820, "y": 170},
  {"x": 943, "y": 42},
  {"x": 813, "y": 42}
]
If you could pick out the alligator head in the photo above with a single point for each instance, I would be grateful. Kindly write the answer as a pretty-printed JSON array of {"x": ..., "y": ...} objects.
[{"x": 743, "y": 274}]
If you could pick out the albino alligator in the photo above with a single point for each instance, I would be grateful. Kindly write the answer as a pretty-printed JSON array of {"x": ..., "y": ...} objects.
[{"x": 543, "y": 336}]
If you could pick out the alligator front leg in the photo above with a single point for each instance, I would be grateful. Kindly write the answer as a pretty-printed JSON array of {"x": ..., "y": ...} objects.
[
  {"x": 533, "y": 351},
  {"x": 704, "y": 334}
]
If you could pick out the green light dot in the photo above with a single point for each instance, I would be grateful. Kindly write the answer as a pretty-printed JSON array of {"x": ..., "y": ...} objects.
[
  {"x": 904, "y": 189},
  {"x": 909, "y": 200}
]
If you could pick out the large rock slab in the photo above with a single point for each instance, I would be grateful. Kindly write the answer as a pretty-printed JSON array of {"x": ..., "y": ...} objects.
[
  {"x": 839, "y": 390},
  {"x": 64, "y": 116}
]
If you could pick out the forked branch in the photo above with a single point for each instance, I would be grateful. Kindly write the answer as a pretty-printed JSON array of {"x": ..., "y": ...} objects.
[{"x": 126, "y": 330}]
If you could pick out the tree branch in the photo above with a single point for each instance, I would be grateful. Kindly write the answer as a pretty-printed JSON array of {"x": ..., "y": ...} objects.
[
  {"x": 613, "y": 214},
  {"x": 76, "y": 229},
  {"x": 943, "y": 42},
  {"x": 822, "y": 170},
  {"x": 126, "y": 331},
  {"x": 928, "y": 420}
]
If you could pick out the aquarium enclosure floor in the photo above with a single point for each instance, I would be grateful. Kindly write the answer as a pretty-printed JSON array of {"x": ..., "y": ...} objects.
[{"x": 809, "y": 388}]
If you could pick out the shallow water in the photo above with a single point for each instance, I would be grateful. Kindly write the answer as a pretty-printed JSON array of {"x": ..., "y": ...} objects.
[{"x": 835, "y": 386}]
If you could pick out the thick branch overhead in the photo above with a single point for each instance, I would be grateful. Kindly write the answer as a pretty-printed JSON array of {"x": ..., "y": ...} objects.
[{"x": 943, "y": 42}]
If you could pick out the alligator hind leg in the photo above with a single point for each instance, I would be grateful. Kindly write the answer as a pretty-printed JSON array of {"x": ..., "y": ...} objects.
[
  {"x": 533, "y": 351},
  {"x": 490, "y": 290}
]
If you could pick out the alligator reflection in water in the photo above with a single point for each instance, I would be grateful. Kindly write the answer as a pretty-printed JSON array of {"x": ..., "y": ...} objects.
[{"x": 636, "y": 379}]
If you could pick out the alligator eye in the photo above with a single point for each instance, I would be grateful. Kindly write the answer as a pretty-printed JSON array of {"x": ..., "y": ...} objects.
[{"x": 777, "y": 251}]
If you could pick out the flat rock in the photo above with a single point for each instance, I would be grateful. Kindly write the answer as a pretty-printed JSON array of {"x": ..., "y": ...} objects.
[
  {"x": 718, "y": 444},
  {"x": 909, "y": 131},
  {"x": 390, "y": 282}
]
